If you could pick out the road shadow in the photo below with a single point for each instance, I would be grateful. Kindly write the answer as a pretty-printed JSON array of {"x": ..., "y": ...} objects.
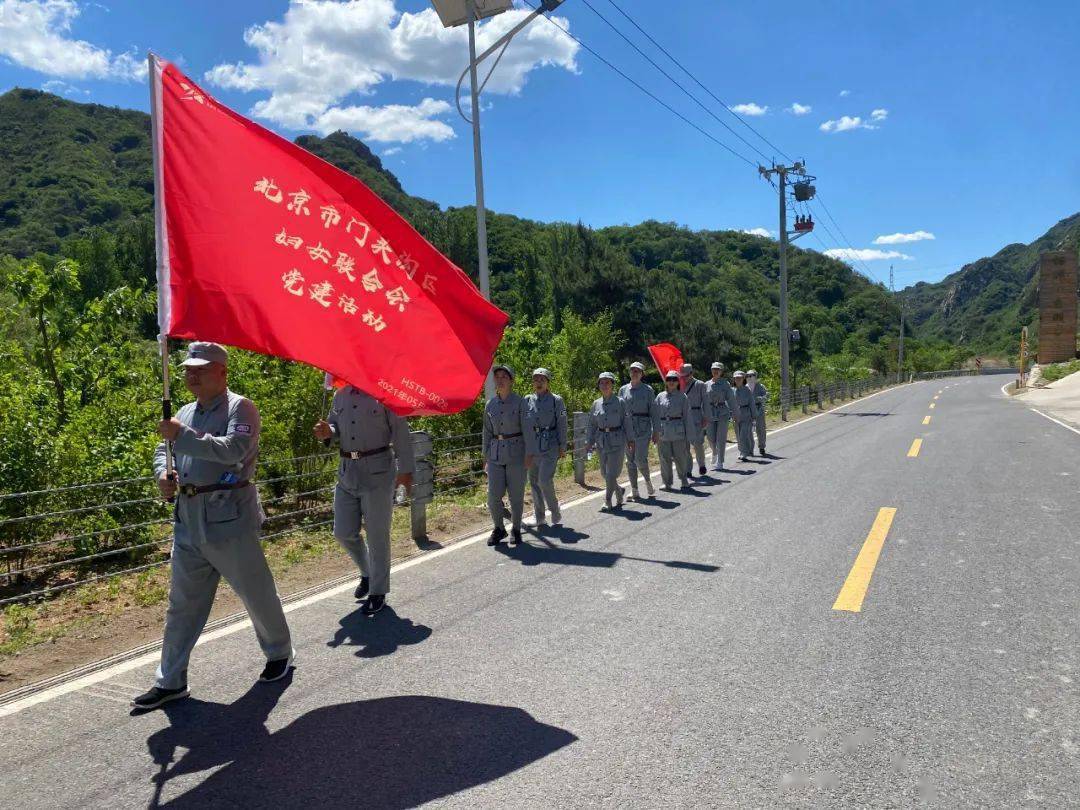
[
  {"x": 858, "y": 413},
  {"x": 739, "y": 472},
  {"x": 773, "y": 457},
  {"x": 633, "y": 515},
  {"x": 547, "y": 553},
  {"x": 564, "y": 534},
  {"x": 392, "y": 752},
  {"x": 757, "y": 460},
  {"x": 693, "y": 493},
  {"x": 425, "y": 543},
  {"x": 379, "y": 635},
  {"x": 658, "y": 502}
]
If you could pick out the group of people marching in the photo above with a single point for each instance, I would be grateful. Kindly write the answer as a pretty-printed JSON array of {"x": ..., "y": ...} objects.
[
  {"x": 206, "y": 462},
  {"x": 526, "y": 436}
]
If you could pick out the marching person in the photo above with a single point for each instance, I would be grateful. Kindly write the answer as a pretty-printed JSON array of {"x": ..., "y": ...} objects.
[
  {"x": 761, "y": 396},
  {"x": 721, "y": 406},
  {"x": 673, "y": 415},
  {"x": 371, "y": 441},
  {"x": 216, "y": 523},
  {"x": 744, "y": 415},
  {"x": 699, "y": 413},
  {"x": 640, "y": 402},
  {"x": 503, "y": 446},
  {"x": 545, "y": 444},
  {"x": 608, "y": 427}
]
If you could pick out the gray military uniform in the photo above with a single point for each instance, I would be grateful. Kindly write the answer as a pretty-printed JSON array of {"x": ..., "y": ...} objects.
[
  {"x": 744, "y": 420},
  {"x": 641, "y": 408},
  {"x": 607, "y": 429},
  {"x": 761, "y": 396},
  {"x": 544, "y": 425},
  {"x": 364, "y": 496},
  {"x": 673, "y": 414},
  {"x": 216, "y": 534},
  {"x": 503, "y": 446},
  {"x": 699, "y": 410},
  {"x": 722, "y": 405}
]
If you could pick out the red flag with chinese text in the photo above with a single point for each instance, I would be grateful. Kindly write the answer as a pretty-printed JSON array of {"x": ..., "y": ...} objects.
[
  {"x": 667, "y": 357},
  {"x": 264, "y": 246}
]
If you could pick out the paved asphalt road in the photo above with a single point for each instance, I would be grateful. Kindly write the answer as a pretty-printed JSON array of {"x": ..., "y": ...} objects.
[{"x": 684, "y": 654}]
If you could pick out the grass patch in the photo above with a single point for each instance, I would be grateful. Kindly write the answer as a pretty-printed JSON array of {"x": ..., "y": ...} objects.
[{"x": 1057, "y": 371}]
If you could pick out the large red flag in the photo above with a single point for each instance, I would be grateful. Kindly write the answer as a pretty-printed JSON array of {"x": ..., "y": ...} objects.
[
  {"x": 266, "y": 247},
  {"x": 667, "y": 357}
]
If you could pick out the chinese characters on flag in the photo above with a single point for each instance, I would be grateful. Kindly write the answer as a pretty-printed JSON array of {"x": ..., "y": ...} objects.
[{"x": 266, "y": 247}]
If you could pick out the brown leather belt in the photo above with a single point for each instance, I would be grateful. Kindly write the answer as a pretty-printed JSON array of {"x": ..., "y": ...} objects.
[
  {"x": 190, "y": 490},
  {"x": 354, "y": 454},
  {"x": 504, "y": 436}
]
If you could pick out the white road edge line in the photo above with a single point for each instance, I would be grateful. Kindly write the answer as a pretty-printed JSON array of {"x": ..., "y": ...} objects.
[
  {"x": 152, "y": 657},
  {"x": 1058, "y": 421}
]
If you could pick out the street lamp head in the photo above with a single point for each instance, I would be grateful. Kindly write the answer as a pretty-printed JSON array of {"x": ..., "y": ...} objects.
[{"x": 453, "y": 13}]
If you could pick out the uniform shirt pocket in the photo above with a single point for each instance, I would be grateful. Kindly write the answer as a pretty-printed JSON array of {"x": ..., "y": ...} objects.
[
  {"x": 221, "y": 507},
  {"x": 378, "y": 464}
]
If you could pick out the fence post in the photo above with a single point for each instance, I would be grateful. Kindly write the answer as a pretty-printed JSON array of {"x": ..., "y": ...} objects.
[
  {"x": 580, "y": 420},
  {"x": 805, "y": 397},
  {"x": 423, "y": 488}
]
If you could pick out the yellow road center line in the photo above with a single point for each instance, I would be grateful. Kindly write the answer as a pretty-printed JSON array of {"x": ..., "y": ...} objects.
[
  {"x": 858, "y": 579},
  {"x": 926, "y": 420},
  {"x": 936, "y": 397},
  {"x": 916, "y": 446},
  {"x": 931, "y": 404}
]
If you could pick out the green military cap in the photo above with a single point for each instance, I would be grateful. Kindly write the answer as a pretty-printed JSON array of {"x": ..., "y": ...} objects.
[{"x": 503, "y": 367}]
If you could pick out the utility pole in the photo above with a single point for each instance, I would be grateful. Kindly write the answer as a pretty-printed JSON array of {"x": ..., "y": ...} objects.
[
  {"x": 900, "y": 344},
  {"x": 803, "y": 192}
]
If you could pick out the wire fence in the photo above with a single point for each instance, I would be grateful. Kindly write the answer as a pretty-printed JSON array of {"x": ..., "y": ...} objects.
[{"x": 53, "y": 540}]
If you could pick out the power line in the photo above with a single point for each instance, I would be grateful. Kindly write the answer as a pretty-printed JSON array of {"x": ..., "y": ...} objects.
[
  {"x": 671, "y": 78},
  {"x": 647, "y": 92},
  {"x": 697, "y": 81},
  {"x": 846, "y": 241}
]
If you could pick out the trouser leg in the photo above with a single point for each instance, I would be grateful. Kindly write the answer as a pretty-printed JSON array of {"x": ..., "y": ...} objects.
[
  {"x": 759, "y": 422},
  {"x": 683, "y": 461},
  {"x": 539, "y": 505},
  {"x": 542, "y": 482},
  {"x": 713, "y": 430},
  {"x": 378, "y": 509},
  {"x": 242, "y": 562},
  {"x": 631, "y": 464},
  {"x": 611, "y": 462},
  {"x": 348, "y": 514},
  {"x": 721, "y": 438},
  {"x": 666, "y": 459},
  {"x": 515, "y": 485},
  {"x": 497, "y": 481},
  {"x": 699, "y": 449},
  {"x": 192, "y": 587}
]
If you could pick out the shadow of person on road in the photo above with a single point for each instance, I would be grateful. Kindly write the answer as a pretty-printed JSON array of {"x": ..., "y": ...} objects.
[
  {"x": 739, "y": 472},
  {"x": 658, "y": 502},
  {"x": 694, "y": 493},
  {"x": 211, "y": 733},
  {"x": 756, "y": 460},
  {"x": 393, "y": 752},
  {"x": 378, "y": 635},
  {"x": 632, "y": 515},
  {"x": 858, "y": 413},
  {"x": 564, "y": 534},
  {"x": 772, "y": 457},
  {"x": 547, "y": 553}
]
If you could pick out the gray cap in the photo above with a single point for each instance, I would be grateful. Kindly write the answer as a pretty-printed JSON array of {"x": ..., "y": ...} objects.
[
  {"x": 672, "y": 375},
  {"x": 541, "y": 372},
  {"x": 686, "y": 369},
  {"x": 751, "y": 373},
  {"x": 739, "y": 374},
  {"x": 203, "y": 354},
  {"x": 502, "y": 367},
  {"x": 718, "y": 365},
  {"x": 639, "y": 366},
  {"x": 605, "y": 375}
]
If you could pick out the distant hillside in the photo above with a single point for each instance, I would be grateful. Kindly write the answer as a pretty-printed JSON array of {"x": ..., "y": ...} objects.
[{"x": 982, "y": 306}]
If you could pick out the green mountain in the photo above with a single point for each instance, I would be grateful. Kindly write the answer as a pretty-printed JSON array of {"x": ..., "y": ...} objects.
[{"x": 981, "y": 307}]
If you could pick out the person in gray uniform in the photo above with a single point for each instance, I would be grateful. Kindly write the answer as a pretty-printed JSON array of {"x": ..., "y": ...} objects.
[
  {"x": 503, "y": 448},
  {"x": 640, "y": 402},
  {"x": 744, "y": 415},
  {"x": 545, "y": 443},
  {"x": 721, "y": 406},
  {"x": 761, "y": 396},
  {"x": 608, "y": 427},
  {"x": 699, "y": 413},
  {"x": 216, "y": 523},
  {"x": 372, "y": 441},
  {"x": 673, "y": 414}
]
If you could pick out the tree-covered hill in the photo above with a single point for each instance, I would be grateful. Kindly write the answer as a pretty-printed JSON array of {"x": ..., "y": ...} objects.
[{"x": 981, "y": 307}]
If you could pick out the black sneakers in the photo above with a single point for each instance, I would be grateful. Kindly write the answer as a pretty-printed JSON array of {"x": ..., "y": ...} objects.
[
  {"x": 275, "y": 670},
  {"x": 362, "y": 589},
  {"x": 701, "y": 472},
  {"x": 373, "y": 605},
  {"x": 497, "y": 536},
  {"x": 515, "y": 537},
  {"x": 157, "y": 696}
]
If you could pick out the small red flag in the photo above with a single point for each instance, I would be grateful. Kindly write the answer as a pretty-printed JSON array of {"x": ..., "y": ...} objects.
[
  {"x": 264, "y": 246},
  {"x": 667, "y": 357}
]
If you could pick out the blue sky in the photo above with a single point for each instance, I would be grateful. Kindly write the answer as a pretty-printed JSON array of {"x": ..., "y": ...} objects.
[{"x": 974, "y": 140}]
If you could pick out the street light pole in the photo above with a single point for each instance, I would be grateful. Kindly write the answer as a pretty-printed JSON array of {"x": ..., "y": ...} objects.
[{"x": 478, "y": 171}]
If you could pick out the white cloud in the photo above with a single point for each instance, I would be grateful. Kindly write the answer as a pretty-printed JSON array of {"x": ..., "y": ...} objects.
[
  {"x": 799, "y": 109},
  {"x": 321, "y": 52},
  {"x": 749, "y": 108},
  {"x": 864, "y": 254},
  {"x": 758, "y": 231},
  {"x": 845, "y": 123},
  {"x": 880, "y": 114},
  {"x": 34, "y": 35},
  {"x": 62, "y": 88},
  {"x": 393, "y": 150},
  {"x": 901, "y": 238},
  {"x": 845, "y": 93}
]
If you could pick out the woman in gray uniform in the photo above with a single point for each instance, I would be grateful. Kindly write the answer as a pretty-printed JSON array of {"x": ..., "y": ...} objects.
[
  {"x": 609, "y": 422},
  {"x": 673, "y": 415},
  {"x": 744, "y": 415}
]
